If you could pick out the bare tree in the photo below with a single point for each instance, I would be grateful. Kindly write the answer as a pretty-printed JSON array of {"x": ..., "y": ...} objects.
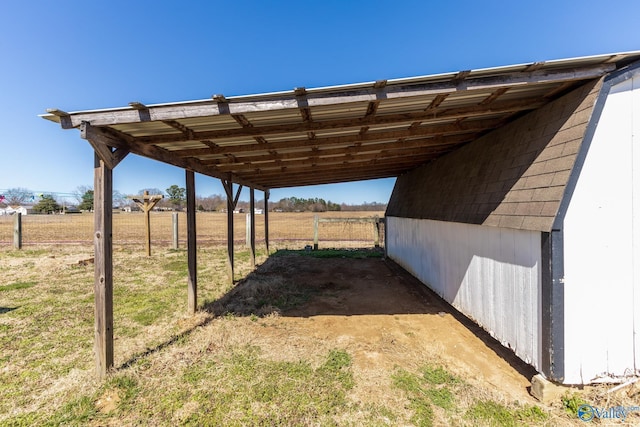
[
  {"x": 18, "y": 196},
  {"x": 215, "y": 202},
  {"x": 80, "y": 192}
]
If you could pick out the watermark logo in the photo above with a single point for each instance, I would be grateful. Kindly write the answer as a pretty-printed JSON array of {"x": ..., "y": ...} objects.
[{"x": 587, "y": 412}]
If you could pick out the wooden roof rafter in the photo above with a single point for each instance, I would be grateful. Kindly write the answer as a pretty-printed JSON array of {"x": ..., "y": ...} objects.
[{"x": 470, "y": 126}]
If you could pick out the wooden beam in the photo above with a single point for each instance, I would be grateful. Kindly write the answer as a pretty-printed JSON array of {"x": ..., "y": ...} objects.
[
  {"x": 267, "y": 193},
  {"x": 310, "y": 169},
  {"x": 103, "y": 262},
  {"x": 311, "y": 156},
  {"x": 138, "y": 105},
  {"x": 495, "y": 95},
  {"x": 371, "y": 136},
  {"x": 104, "y": 144},
  {"x": 252, "y": 213},
  {"x": 237, "y": 197},
  {"x": 166, "y": 156},
  {"x": 242, "y": 120},
  {"x": 228, "y": 188},
  {"x": 192, "y": 263},
  {"x": 301, "y": 179},
  {"x": 335, "y": 178},
  {"x": 61, "y": 117},
  {"x": 186, "y": 131},
  {"x": 317, "y": 157},
  {"x": 358, "y": 122},
  {"x": 57, "y": 112}
]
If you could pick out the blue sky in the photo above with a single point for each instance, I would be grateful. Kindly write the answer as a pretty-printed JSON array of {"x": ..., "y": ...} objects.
[{"x": 77, "y": 55}]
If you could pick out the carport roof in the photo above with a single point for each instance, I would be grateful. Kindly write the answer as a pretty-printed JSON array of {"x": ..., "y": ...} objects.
[{"x": 334, "y": 134}]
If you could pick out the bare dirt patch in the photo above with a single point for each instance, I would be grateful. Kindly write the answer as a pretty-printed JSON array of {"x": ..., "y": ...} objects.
[{"x": 381, "y": 315}]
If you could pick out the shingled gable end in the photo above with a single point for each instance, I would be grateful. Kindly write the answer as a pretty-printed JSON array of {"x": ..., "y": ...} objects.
[{"x": 513, "y": 177}]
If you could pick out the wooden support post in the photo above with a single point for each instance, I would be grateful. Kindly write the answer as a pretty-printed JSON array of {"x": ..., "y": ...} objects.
[
  {"x": 103, "y": 275},
  {"x": 105, "y": 159},
  {"x": 192, "y": 263},
  {"x": 228, "y": 188},
  {"x": 266, "y": 220},
  {"x": 230, "y": 240},
  {"x": 247, "y": 230},
  {"x": 316, "y": 222},
  {"x": 174, "y": 221},
  {"x": 231, "y": 206},
  {"x": 147, "y": 203},
  {"x": 17, "y": 231},
  {"x": 252, "y": 212},
  {"x": 386, "y": 234},
  {"x": 376, "y": 232}
]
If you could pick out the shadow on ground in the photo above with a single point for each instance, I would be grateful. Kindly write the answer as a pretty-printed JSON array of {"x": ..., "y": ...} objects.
[{"x": 344, "y": 283}]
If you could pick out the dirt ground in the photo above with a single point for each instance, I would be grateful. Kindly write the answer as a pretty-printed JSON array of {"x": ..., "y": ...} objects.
[{"x": 385, "y": 318}]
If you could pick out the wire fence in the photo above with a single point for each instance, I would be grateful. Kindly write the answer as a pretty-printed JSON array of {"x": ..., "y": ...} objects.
[{"x": 286, "y": 230}]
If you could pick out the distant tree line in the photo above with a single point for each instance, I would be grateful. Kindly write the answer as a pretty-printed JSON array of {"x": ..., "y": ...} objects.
[
  {"x": 174, "y": 199},
  {"x": 366, "y": 206},
  {"x": 296, "y": 204}
]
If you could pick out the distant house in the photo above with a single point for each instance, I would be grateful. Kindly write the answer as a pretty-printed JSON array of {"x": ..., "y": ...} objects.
[
  {"x": 24, "y": 210},
  {"x": 133, "y": 208}
]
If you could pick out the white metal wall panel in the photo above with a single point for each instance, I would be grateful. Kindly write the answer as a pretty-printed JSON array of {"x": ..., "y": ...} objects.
[
  {"x": 635, "y": 144},
  {"x": 490, "y": 274},
  {"x": 601, "y": 248}
]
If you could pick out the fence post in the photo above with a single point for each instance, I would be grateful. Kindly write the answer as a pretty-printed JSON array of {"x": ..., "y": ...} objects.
[
  {"x": 175, "y": 230},
  {"x": 248, "y": 229},
  {"x": 17, "y": 231},
  {"x": 376, "y": 232},
  {"x": 316, "y": 221}
]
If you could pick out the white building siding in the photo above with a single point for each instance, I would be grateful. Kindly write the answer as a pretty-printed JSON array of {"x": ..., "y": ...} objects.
[
  {"x": 490, "y": 274},
  {"x": 602, "y": 246}
]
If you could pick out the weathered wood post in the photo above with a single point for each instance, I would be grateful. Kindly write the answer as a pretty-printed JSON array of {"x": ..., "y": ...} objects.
[
  {"x": 247, "y": 230},
  {"x": 174, "y": 219},
  {"x": 316, "y": 223},
  {"x": 147, "y": 203},
  {"x": 103, "y": 281},
  {"x": 376, "y": 232},
  {"x": 192, "y": 263},
  {"x": 231, "y": 205},
  {"x": 17, "y": 231},
  {"x": 252, "y": 225},
  {"x": 266, "y": 220},
  {"x": 106, "y": 158}
]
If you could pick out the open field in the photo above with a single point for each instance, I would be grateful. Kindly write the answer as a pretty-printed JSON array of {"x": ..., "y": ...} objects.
[
  {"x": 337, "y": 338},
  {"x": 128, "y": 228}
]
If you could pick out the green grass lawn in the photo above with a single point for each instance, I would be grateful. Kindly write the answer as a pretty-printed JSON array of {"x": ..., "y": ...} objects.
[{"x": 207, "y": 369}]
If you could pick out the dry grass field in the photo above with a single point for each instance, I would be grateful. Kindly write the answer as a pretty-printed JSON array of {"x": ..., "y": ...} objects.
[{"x": 332, "y": 337}]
